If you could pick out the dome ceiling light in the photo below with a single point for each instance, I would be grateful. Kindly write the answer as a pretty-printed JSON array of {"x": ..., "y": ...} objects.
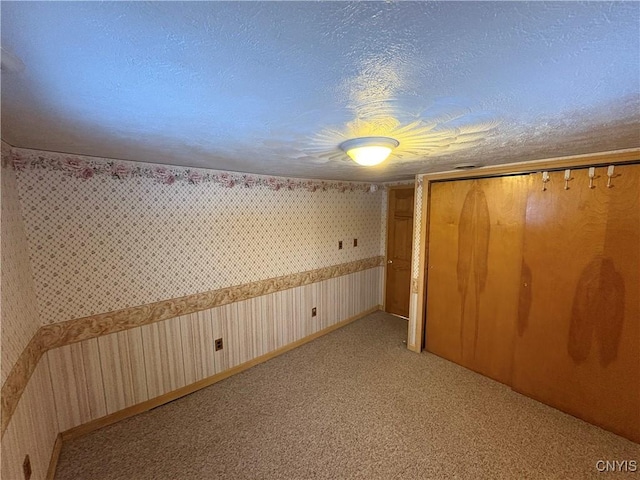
[{"x": 369, "y": 151}]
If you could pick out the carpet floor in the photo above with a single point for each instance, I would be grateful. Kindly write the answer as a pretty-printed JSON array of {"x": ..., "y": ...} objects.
[{"x": 352, "y": 404}]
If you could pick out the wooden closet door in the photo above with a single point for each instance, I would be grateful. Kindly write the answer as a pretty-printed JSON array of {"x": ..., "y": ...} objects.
[
  {"x": 475, "y": 255},
  {"x": 578, "y": 332}
]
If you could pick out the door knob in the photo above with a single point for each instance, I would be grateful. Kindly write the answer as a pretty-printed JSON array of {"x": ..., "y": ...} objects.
[{"x": 389, "y": 261}]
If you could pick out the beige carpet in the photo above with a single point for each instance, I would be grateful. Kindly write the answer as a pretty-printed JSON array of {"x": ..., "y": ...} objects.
[{"x": 352, "y": 404}]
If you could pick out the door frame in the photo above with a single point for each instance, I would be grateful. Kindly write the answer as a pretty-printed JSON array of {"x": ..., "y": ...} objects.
[
  {"x": 400, "y": 186},
  {"x": 418, "y": 304}
]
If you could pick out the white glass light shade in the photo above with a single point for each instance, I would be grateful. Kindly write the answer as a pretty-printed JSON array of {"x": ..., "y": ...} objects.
[{"x": 369, "y": 151}]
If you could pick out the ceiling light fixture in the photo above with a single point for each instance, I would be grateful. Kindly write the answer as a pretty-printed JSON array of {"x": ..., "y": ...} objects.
[{"x": 369, "y": 151}]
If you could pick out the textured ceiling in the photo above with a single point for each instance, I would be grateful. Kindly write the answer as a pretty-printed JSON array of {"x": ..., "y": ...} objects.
[{"x": 275, "y": 87}]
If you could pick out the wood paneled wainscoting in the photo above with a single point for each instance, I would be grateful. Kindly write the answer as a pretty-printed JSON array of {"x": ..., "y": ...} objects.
[
  {"x": 533, "y": 279},
  {"x": 98, "y": 379},
  {"x": 89, "y": 373}
]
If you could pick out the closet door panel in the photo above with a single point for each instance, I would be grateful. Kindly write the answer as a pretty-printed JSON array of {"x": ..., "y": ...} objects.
[
  {"x": 475, "y": 250},
  {"x": 443, "y": 310},
  {"x": 578, "y": 334}
]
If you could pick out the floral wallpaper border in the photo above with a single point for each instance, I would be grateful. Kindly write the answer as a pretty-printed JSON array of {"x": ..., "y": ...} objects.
[
  {"x": 86, "y": 167},
  {"x": 57, "y": 335},
  {"x": 400, "y": 183}
]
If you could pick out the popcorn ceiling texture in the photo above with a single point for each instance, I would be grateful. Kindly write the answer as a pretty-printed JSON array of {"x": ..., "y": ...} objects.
[
  {"x": 275, "y": 87},
  {"x": 19, "y": 311},
  {"x": 100, "y": 242}
]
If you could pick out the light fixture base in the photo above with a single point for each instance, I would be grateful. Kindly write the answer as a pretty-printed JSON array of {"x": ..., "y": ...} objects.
[{"x": 369, "y": 151}]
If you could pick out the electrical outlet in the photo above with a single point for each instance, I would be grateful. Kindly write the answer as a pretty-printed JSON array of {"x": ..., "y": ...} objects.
[
  {"x": 219, "y": 345},
  {"x": 26, "y": 467},
  {"x": 355, "y": 242},
  {"x": 314, "y": 312},
  {"x": 340, "y": 245}
]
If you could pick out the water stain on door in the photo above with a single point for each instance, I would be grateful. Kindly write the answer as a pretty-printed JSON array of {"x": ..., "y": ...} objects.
[{"x": 473, "y": 254}]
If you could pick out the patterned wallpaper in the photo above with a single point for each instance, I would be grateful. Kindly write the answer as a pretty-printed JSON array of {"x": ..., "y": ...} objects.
[
  {"x": 414, "y": 329},
  {"x": 106, "y": 235},
  {"x": 19, "y": 311},
  {"x": 384, "y": 212},
  {"x": 417, "y": 225}
]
